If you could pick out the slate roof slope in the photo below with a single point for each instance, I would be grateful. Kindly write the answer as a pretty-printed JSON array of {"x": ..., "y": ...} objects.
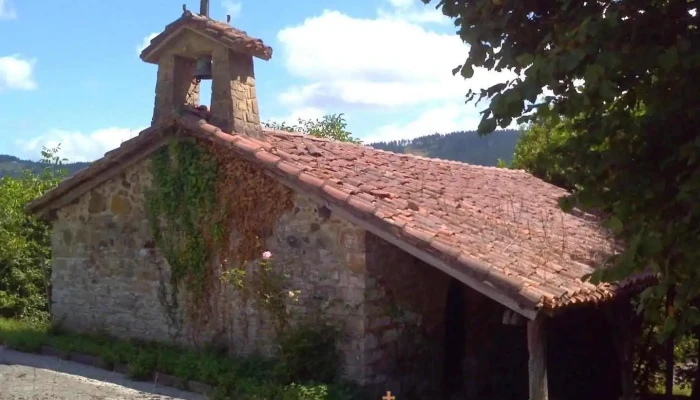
[
  {"x": 501, "y": 227},
  {"x": 234, "y": 38}
]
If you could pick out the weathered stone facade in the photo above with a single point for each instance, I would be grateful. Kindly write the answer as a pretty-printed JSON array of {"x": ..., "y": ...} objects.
[{"x": 108, "y": 276}]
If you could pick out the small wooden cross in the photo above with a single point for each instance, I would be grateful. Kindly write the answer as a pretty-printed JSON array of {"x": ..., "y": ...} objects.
[{"x": 388, "y": 396}]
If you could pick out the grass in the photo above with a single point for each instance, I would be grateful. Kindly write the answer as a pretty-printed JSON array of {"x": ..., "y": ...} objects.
[
  {"x": 677, "y": 390},
  {"x": 249, "y": 378}
]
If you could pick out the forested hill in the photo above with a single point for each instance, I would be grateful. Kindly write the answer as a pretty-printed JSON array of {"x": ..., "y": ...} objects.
[
  {"x": 465, "y": 146},
  {"x": 12, "y": 166}
]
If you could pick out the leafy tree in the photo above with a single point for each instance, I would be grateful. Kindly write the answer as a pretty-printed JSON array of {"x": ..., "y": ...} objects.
[
  {"x": 538, "y": 150},
  {"x": 25, "y": 249},
  {"x": 332, "y": 126},
  {"x": 625, "y": 74}
]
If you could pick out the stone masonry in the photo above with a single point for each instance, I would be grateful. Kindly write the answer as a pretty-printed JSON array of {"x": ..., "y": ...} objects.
[
  {"x": 174, "y": 86},
  {"x": 107, "y": 276},
  {"x": 234, "y": 104}
]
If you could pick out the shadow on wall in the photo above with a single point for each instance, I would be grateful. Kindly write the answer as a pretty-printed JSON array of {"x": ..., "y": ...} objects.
[
  {"x": 455, "y": 343},
  {"x": 582, "y": 362}
]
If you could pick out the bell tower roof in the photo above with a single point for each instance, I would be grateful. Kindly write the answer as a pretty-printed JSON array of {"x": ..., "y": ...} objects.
[{"x": 218, "y": 31}]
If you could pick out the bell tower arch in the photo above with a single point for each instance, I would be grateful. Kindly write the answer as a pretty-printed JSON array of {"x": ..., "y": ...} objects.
[{"x": 196, "y": 48}]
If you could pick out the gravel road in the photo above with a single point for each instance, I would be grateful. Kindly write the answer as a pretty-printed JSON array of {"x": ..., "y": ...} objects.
[{"x": 32, "y": 376}]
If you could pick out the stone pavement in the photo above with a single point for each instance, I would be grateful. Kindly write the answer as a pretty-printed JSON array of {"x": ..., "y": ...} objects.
[{"x": 31, "y": 376}]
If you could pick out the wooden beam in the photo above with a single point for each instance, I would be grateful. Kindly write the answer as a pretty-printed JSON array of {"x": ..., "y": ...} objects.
[
  {"x": 481, "y": 287},
  {"x": 537, "y": 365},
  {"x": 511, "y": 317}
]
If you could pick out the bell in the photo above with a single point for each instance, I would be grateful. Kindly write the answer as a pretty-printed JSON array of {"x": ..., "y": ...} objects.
[{"x": 203, "y": 69}]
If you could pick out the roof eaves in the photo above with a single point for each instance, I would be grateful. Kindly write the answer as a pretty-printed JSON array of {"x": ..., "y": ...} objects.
[
  {"x": 215, "y": 30},
  {"x": 110, "y": 165}
]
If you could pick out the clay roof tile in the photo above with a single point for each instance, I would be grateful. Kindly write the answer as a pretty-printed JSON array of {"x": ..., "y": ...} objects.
[{"x": 231, "y": 37}]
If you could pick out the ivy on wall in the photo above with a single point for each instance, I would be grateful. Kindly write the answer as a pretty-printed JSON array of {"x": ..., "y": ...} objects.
[
  {"x": 181, "y": 207},
  {"x": 206, "y": 206},
  {"x": 211, "y": 214}
]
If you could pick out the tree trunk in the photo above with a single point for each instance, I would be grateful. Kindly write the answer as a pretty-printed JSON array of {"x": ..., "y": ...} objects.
[
  {"x": 695, "y": 392},
  {"x": 670, "y": 342}
]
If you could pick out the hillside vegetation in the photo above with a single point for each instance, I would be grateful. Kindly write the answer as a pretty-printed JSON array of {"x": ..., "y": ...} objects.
[
  {"x": 464, "y": 146},
  {"x": 13, "y": 166}
]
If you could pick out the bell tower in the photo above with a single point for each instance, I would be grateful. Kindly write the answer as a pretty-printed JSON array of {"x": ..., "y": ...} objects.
[{"x": 195, "y": 48}]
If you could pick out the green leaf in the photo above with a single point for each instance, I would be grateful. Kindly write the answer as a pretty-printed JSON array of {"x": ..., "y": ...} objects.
[
  {"x": 487, "y": 125},
  {"x": 650, "y": 246},
  {"x": 668, "y": 328},
  {"x": 467, "y": 71},
  {"x": 669, "y": 58},
  {"x": 525, "y": 59},
  {"x": 567, "y": 203},
  {"x": 614, "y": 224},
  {"x": 593, "y": 73}
]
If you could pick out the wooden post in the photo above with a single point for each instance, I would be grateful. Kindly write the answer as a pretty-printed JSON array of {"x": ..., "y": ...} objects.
[
  {"x": 670, "y": 344},
  {"x": 537, "y": 366}
]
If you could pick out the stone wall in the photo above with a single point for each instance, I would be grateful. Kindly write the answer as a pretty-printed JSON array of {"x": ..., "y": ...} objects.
[
  {"x": 108, "y": 276},
  {"x": 234, "y": 103},
  {"x": 406, "y": 322},
  {"x": 405, "y": 309}
]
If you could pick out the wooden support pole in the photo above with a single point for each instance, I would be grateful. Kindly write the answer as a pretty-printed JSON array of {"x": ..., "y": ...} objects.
[
  {"x": 670, "y": 344},
  {"x": 537, "y": 366}
]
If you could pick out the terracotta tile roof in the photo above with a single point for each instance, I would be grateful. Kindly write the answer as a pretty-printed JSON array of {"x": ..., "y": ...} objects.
[
  {"x": 502, "y": 227},
  {"x": 234, "y": 38}
]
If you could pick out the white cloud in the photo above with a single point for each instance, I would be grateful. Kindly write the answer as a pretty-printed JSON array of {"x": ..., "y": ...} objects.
[
  {"x": 440, "y": 119},
  {"x": 232, "y": 8},
  {"x": 7, "y": 10},
  {"x": 387, "y": 62},
  {"x": 145, "y": 42},
  {"x": 77, "y": 146},
  {"x": 17, "y": 73},
  {"x": 305, "y": 113},
  {"x": 402, "y": 3},
  {"x": 413, "y": 11}
]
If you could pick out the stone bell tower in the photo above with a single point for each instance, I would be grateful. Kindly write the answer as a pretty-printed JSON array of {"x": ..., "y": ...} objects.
[{"x": 193, "y": 45}]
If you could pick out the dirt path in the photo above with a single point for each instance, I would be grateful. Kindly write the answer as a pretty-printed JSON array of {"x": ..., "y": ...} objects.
[{"x": 31, "y": 376}]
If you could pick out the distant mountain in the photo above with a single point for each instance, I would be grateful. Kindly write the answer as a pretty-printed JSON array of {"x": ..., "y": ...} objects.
[
  {"x": 464, "y": 146},
  {"x": 13, "y": 166}
]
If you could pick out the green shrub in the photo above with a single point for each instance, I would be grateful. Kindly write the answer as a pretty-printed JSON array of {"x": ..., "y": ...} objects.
[
  {"x": 307, "y": 372},
  {"x": 25, "y": 251},
  {"x": 309, "y": 353},
  {"x": 23, "y": 335}
]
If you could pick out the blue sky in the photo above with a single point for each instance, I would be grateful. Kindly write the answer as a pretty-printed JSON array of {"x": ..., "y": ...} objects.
[{"x": 70, "y": 71}]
